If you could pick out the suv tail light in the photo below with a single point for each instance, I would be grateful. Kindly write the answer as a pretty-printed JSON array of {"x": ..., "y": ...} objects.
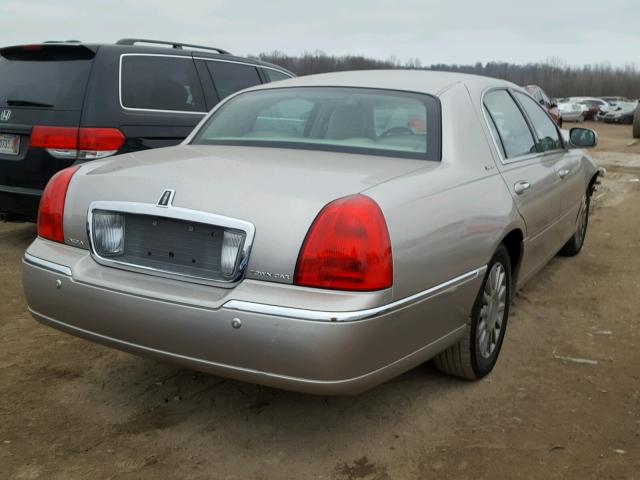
[
  {"x": 347, "y": 248},
  {"x": 77, "y": 143},
  {"x": 51, "y": 211}
]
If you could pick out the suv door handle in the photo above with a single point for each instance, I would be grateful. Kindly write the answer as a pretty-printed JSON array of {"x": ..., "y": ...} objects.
[
  {"x": 563, "y": 172},
  {"x": 521, "y": 187}
]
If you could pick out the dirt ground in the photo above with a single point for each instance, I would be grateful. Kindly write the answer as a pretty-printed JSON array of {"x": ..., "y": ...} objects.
[{"x": 70, "y": 409}]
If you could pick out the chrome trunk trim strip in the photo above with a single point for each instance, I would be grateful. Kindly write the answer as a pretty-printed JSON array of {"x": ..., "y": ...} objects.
[
  {"x": 304, "y": 314},
  {"x": 176, "y": 213}
]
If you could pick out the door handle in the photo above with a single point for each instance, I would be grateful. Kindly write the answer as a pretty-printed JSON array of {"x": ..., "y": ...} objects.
[
  {"x": 521, "y": 187},
  {"x": 563, "y": 172}
]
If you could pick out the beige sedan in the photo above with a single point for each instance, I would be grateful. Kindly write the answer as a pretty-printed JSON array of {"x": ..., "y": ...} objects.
[{"x": 321, "y": 234}]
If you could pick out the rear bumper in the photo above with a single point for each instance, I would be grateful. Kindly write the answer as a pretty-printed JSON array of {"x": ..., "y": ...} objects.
[
  {"x": 20, "y": 201},
  {"x": 270, "y": 346}
]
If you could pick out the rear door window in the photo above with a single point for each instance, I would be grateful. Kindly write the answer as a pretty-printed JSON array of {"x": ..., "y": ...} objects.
[
  {"x": 159, "y": 82},
  {"x": 230, "y": 77},
  {"x": 44, "y": 76},
  {"x": 548, "y": 136},
  {"x": 511, "y": 125}
]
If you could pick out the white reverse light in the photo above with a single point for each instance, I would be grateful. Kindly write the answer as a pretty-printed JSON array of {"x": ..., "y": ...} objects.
[{"x": 108, "y": 233}]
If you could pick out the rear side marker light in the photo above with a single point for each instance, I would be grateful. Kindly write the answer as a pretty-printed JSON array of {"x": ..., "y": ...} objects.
[
  {"x": 347, "y": 248},
  {"x": 77, "y": 143},
  {"x": 51, "y": 210}
]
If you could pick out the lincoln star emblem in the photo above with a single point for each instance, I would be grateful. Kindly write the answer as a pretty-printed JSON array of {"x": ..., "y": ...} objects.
[
  {"x": 167, "y": 198},
  {"x": 5, "y": 115}
]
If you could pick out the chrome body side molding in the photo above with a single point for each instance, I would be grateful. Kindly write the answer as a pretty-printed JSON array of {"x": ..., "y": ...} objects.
[
  {"x": 304, "y": 314},
  {"x": 47, "y": 265}
]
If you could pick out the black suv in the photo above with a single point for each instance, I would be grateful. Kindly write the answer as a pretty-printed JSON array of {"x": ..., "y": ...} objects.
[{"x": 68, "y": 102}]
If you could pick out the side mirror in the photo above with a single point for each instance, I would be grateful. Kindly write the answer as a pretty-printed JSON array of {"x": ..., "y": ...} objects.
[
  {"x": 583, "y": 137},
  {"x": 553, "y": 105}
]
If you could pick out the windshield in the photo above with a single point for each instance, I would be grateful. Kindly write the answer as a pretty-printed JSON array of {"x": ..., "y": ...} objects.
[
  {"x": 353, "y": 120},
  {"x": 43, "y": 78}
]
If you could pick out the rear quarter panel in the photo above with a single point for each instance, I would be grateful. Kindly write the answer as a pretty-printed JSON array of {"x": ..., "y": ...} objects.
[{"x": 447, "y": 221}]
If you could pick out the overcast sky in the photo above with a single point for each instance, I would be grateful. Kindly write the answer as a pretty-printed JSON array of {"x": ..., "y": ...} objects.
[{"x": 451, "y": 31}]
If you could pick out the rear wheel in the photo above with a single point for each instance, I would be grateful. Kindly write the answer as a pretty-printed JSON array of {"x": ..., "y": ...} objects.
[
  {"x": 574, "y": 244},
  {"x": 636, "y": 123},
  {"x": 476, "y": 354}
]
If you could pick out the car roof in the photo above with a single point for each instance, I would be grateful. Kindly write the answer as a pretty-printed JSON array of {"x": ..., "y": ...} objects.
[
  {"x": 157, "y": 49},
  {"x": 162, "y": 50},
  {"x": 420, "y": 81}
]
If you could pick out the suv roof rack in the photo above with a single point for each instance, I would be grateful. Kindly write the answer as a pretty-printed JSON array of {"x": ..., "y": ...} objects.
[{"x": 178, "y": 45}]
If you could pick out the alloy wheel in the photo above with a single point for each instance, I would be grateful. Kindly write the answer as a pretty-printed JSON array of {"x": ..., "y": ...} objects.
[{"x": 492, "y": 311}]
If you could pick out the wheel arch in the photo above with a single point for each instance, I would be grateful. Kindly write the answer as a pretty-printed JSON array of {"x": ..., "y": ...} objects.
[
  {"x": 513, "y": 242},
  {"x": 594, "y": 182}
]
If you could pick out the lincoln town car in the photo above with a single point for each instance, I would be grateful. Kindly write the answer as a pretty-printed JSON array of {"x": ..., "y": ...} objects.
[{"x": 322, "y": 234}]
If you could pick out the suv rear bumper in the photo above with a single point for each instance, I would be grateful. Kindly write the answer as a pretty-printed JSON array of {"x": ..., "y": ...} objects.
[
  {"x": 20, "y": 201},
  {"x": 311, "y": 356}
]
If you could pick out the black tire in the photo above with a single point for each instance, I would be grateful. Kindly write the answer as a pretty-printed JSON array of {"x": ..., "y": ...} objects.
[
  {"x": 575, "y": 243},
  {"x": 464, "y": 359},
  {"x": 636, "y": 123}
]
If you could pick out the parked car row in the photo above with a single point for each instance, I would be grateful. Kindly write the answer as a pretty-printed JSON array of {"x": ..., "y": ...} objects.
[
  {"x": 324, "y": 234},
  {"x": 606, "y": 109},
  {"x": 65, "y": 103}
]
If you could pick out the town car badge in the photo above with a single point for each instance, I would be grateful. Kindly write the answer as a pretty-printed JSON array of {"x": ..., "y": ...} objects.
[{"x": 167, "y": 198}]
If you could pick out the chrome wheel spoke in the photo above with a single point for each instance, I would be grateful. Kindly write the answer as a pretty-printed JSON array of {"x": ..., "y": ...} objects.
[
  {"x": 502, "y": 294},
  {"x": 491, "y": 315}
]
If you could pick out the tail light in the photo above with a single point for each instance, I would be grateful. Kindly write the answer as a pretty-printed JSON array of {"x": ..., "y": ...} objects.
[
  {"x": 347, "y": 248},
  {"x": 77, "y": 143},
  {"x": 51, "y": 211}
]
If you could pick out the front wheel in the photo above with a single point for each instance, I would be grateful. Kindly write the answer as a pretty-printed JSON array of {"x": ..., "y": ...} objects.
[
  {"x": 476, "y": 354},
  {"x": 575, "y": 243}
]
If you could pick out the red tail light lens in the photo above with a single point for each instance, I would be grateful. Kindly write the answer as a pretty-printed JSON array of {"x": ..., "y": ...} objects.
[
  {"x": 51, "y": 211},
  {"x": 100, "y": 139},
  {"x": 54, "y": 137},
  {"x": 347, "y": 248},
  {"x": 73, "y": 142}
]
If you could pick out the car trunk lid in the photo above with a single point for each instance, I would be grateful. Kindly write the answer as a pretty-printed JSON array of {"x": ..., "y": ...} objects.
[{"x": 279, "y": 191}]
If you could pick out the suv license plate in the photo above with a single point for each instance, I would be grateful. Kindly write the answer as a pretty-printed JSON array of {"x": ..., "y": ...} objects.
[{"x": 9, "y": 144}]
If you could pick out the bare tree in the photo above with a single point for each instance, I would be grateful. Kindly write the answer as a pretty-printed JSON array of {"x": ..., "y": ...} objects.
[{"x": 554, "y": 75}]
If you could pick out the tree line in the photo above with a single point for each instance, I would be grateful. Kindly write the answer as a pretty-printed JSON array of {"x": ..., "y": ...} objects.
[{"x": 556, "y": 77}]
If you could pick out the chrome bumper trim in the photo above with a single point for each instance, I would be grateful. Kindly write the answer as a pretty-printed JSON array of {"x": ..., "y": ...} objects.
[
  {"x": 304, "y": 314},
  {"x": 47, "y": 265}
]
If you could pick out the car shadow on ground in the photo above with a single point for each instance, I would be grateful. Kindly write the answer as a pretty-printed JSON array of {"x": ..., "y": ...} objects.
[
  {"x": 17, "y": 235},
  {"x": 138, "y": 396}
]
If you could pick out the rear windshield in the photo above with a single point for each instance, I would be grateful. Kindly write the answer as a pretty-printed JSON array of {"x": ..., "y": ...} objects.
[
  {"x": 44, "y": 77},
  {"x": 353, "y": 120}
]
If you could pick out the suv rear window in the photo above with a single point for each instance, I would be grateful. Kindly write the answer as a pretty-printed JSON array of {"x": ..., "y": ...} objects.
[
  {"x": 44, "y": 76},
  {"x": 230, "y": 77},
  {"x": 158, "y": 82},
  {"x": 353, "y": 120}
]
